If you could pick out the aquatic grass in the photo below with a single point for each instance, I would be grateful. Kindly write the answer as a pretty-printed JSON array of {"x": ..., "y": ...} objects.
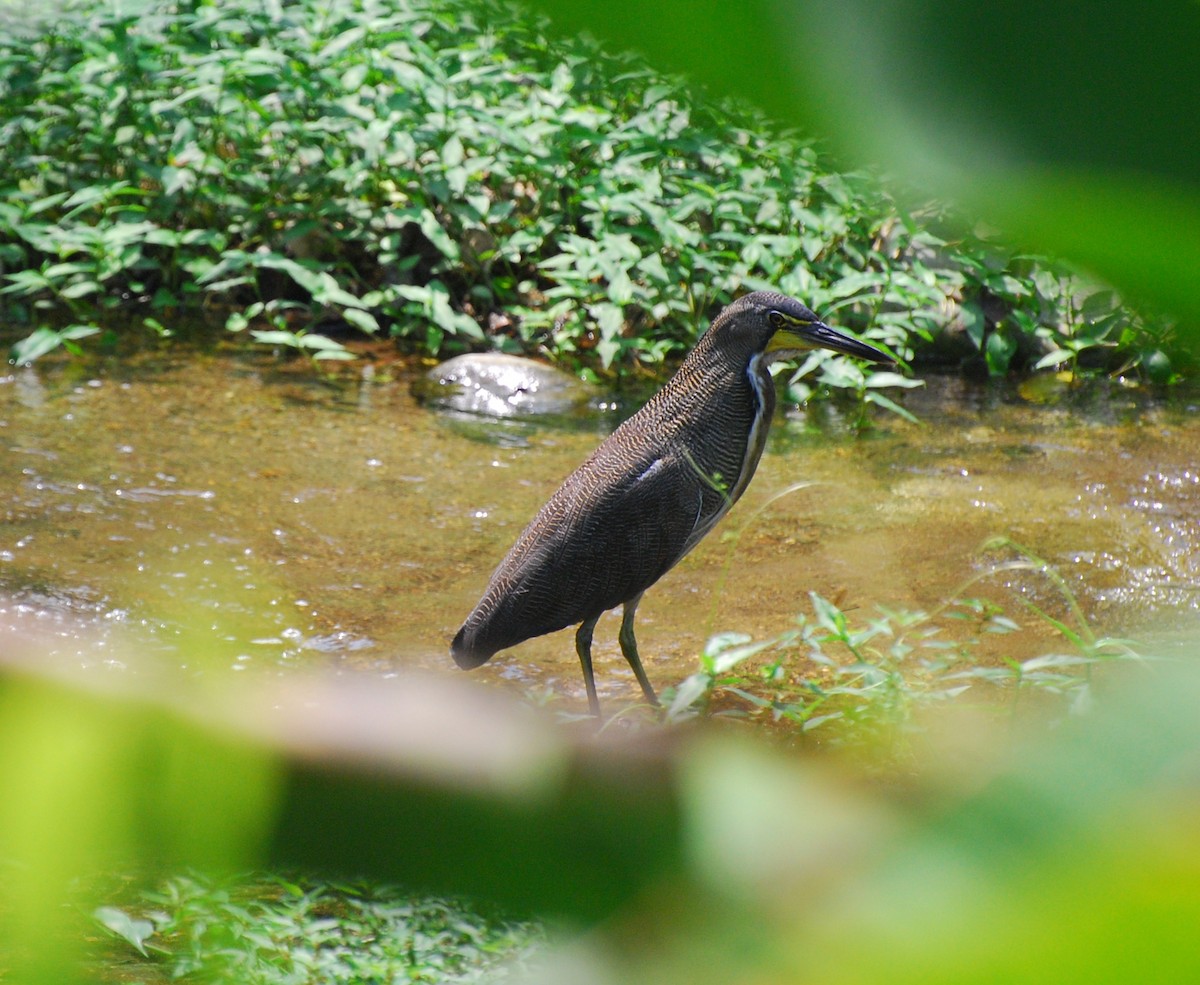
[
  {"x": 863, "y": 682},
  {"x": 453, "y": 175},
  {"x": 270, "y": 930},
  {"x": 1070, "y": 674}
]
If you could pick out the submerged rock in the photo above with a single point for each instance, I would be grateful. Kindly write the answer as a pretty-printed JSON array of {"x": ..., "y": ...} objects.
[{"x": 493, "y": 384}]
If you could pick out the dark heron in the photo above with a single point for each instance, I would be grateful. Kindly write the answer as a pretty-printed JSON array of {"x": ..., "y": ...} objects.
[{"x": 651, "y": 491}]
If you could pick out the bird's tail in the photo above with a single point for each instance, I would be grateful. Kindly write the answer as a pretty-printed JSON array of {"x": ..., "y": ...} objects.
[{"x": 466, "y": 653}]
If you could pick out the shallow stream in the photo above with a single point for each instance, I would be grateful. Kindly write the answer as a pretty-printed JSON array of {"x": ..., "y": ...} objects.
[{"x": 285, "y": 521}]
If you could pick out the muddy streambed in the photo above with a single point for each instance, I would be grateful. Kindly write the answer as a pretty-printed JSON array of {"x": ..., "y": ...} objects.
[{"x": 228, "y": 515}]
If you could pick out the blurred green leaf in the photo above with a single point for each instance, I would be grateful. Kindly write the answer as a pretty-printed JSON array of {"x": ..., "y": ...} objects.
[
  {"x": 874, "y": 397},
  {"x": 999, "y": 350},
  {"x": 1068, "y": 131},
  {"x": 44, "y": 340},
  {"x": 128, "y": 928}
]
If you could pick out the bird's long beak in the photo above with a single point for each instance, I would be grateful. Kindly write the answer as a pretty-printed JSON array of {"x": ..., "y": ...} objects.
[{"x": 818, "y": 335}]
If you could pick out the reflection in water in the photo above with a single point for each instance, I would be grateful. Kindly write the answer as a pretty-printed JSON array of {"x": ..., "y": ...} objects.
[{"x": 231, "y": 516}]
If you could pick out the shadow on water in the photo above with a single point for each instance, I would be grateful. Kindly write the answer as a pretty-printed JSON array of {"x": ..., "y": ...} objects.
[{"x": 282, "y": 519}]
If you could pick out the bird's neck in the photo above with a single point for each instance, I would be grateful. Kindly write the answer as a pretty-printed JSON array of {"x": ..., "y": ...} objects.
[
  {"x": 729, "y": 410},
  {"x": 762, "y": 387}
]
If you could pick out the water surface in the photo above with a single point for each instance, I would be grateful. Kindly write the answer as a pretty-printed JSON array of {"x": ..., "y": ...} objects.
[{"x": 230, "y": 507}]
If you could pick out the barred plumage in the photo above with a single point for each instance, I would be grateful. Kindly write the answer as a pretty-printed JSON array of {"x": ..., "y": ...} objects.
[{"x": 651, "y": 491}]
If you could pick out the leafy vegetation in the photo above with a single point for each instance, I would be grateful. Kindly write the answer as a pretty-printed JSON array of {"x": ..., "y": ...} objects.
[
  {"x": 273, "y": 930},
  {"x": 448, "y": 174},
  {"x": 866, "y": 685}
]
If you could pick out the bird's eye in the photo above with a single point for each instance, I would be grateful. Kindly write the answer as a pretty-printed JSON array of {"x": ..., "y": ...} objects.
[{"x": 776, "y": 319}]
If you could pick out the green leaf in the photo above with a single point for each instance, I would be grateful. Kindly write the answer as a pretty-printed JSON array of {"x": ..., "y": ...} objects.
[
  {"x": 689, "y": 691},
  {"x": 354, "y": 76},
  {"x": 43, "y": 340},
  {"x": 36, "y": 344},
  {"x": 610, "y": 319},
  {"x": 322, "y": 343},
  {"x": 362, "y": 320},
  {"x": 277, "y": 337},
  {"x": 452, "y": 152},
  {"x": 885, "y": 379},
  {"x": 130, "y": 929},
  {"x": 49, "y": 202},
  {"x": 26, "y": 282},
  {"x": 730, "y": 657},
  {"x": 999, "y": 350},
  {"x": 720, "y": 642},
  {"x": 608, "y": 349},
  {"x": 1055, "y": 357},
  {"x": 874, "y": 397},
  {"x": 72, "y": 332},
  {"x": 829, "y": 616},
  {"x": 80, "y": 289},
  {"x": 974, "y": 323}
]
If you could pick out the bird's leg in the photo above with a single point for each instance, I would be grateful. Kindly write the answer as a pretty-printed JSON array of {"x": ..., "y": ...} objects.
[
  {"x": 629, "y": 648},
  {"x": 583, "y": 646}
]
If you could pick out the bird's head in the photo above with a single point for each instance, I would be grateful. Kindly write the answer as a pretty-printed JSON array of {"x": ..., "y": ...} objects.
[{"x": 781, "y": 327}]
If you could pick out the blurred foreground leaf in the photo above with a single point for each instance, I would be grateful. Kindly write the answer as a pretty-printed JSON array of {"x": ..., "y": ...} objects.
[
  {"x": 1073, "y": 132},
  {"x": 697, "y": 856}
]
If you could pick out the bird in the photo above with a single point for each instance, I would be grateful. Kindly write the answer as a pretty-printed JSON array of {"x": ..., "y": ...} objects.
[{"x": 651, "y": 491}]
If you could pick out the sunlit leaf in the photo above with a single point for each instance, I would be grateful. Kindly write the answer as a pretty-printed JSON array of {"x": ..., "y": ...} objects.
[
  {"x": 135, "y": 931},
  {"x": 874, "y": 397}
]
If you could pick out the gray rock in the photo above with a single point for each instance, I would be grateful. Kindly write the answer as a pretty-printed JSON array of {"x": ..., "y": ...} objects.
[{"x": 493, "y": 384}]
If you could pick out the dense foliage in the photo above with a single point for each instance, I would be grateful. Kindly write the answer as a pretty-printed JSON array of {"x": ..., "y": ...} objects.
[
  {"x": 274, "y": 930},
  {"x": 456, "y": 179}
]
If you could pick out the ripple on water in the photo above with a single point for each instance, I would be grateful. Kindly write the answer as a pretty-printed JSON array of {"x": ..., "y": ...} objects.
[{"x": 1164, "y": 508}]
